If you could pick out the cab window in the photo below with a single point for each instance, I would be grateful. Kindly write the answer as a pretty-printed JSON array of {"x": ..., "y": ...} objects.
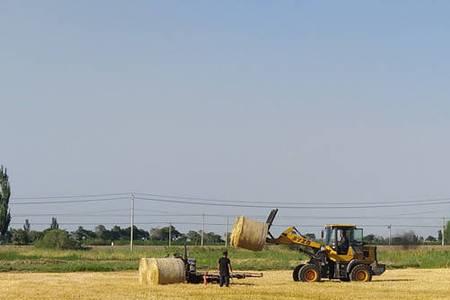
[
  {"x": 357, "y": 236},
  {"x": 329, "y": 236}
]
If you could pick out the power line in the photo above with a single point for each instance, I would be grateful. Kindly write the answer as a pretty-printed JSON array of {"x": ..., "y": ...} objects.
[
  {"x": 115, "y": 215},
  {"x": 85, "y": 213},
  {"x": 67, "y": 201},
  {"x": 289, "y": 207},
  {"x": 321, "y": 206},
  {"x": 292, "y": 202},
  {"x": 233, "y": 203},
  {"x": 68, "y": 196},
  {"x": 420, "y": 213}
]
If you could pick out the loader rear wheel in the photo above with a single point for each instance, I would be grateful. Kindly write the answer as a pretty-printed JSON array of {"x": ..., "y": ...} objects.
[
  {"x": 360, "y": 273},
  {"x": 296, "y": 271},
  {"x": 309, "y": 273}
]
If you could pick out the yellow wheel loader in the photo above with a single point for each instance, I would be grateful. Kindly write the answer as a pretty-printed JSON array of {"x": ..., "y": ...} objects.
[{"x": 342, "y": 255}]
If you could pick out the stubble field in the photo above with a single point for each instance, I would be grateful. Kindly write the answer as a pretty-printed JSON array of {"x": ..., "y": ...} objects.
[{"x": 394, "y": 284}]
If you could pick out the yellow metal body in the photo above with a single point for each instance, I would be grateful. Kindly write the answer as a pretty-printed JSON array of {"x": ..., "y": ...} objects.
[
  {"x": 345, "y": 258},
  {"x": 291, "y": 236}
]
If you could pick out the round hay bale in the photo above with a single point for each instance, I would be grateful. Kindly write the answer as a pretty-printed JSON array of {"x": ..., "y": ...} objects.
[
  {"x": 248, "y": 234},
  {"x": 165, "y": 270},
  {"x": 143, "y": 270}
]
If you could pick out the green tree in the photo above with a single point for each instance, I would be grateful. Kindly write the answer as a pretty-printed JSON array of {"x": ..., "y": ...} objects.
[
  {"x": 140, "y": 234},
  {"x": 34, "y": 235},
  {"x": 155, "y": 234},
  {"x": 5, "y": 193},
  {"x": 370, "y": 238},
  {"x": 406, "y": 238},
  {"x": 175, "y": 234},
  {"x": 82, "y": 234},
  {"x": 162, "y": 234},
  {"x": 213, "y": 238},
  {"x": 116, "y": 233},
  {"x": 311, "y": 236},
  {"x": 447, "y": 233},
  {"x": 54, "y": 224},
  {"x": 374, "y": 239},
  {"x": 19, "y": 237},
  {"x": 57, "y": 239},
  {"x": 27, "y": 226},
  {"x": 102, "y": 233},
  {"x": 194, "y": 237},
  {"x": 431, "y": 239}
]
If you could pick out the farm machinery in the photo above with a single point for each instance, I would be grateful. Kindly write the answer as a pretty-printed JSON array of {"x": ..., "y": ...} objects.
[
  {"x": 193, "y": 275},
  {"x": 342, "y": 255}
]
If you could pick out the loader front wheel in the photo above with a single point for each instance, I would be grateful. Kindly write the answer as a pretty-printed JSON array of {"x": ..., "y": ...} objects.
[
  {"x": 360, "y": 273},
  {"x": 296, "y": 271},
  {"x": 309, "y": 273}
]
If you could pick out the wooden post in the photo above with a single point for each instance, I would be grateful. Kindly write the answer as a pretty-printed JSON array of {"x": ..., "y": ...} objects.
[
  {"x": 226, "y": 234},
  {"x": 203, "y": 229},
  {"x": 390, "y": 233},
  {"x": 131, "y": 221},
  {"x": 170, "y": 234}
]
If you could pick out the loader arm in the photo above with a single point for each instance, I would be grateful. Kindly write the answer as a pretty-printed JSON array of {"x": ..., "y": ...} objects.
[{"x": 291, "y": 236}]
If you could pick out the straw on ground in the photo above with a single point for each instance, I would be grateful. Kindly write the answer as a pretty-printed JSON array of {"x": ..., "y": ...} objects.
[{"x": 395, "y": 284}]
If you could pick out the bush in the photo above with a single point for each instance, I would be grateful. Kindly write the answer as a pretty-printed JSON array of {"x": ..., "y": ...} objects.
[
  {"x": 35, "y": 236},
  {"x": 57, "y": 239},
  {"x": 19, "y": 237}
]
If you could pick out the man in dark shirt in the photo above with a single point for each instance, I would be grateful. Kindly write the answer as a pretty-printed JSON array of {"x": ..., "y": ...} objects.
[
  {"x": 343, "y": 243},
  {"x": 224, "y": 269}
]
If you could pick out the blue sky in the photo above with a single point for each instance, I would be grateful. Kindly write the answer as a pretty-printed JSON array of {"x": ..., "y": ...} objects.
[{"x": 324, "y": 101}]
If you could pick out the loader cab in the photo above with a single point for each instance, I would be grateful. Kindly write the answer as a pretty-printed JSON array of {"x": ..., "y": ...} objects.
[{"x": 342, "y": 237}]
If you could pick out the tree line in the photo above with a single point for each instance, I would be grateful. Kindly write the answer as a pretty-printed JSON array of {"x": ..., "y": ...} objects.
[
  {"x": 406, "y": 238},
  {"x": 116, "y": 234},
  {"x": 161, "y": 235}
]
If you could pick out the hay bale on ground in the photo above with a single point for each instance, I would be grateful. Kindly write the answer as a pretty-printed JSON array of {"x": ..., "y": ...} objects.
[
  {"x": 248, "y": 234},
  {"x": 143, "y": 270},
  {"x": 165, "y": 271}
]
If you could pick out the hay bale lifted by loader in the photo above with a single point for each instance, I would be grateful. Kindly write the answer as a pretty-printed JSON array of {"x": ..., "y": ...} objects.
[{"x": 249, "y": 234}]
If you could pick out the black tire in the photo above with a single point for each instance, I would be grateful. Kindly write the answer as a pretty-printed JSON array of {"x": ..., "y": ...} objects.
[
  {"x": 296, "y": 271},
  {"x": 346, "y": 279},
  {"x": 361, "y": 273},
  {"x": 309, "y": 273}
]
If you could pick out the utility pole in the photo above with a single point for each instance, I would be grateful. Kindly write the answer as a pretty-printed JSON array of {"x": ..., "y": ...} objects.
[
  {"x": 132, "y": 222},
  {"x": 390, "y": 233},
  {"x": 170, "y": 234},
  {"x": 203, "y": 229},
  {"x": 443, "y": 231},
  {"x": 226, "y": 235}
]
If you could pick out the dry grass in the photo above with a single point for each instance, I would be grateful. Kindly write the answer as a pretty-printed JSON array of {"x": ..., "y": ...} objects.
[{"x": 394, "y": 284}]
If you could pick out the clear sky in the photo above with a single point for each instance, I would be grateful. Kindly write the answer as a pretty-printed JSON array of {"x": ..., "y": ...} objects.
[{"x": 302, "y": 101}]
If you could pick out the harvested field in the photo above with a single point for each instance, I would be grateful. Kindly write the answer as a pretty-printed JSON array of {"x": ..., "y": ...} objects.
[{"x": 394, "y": 284}]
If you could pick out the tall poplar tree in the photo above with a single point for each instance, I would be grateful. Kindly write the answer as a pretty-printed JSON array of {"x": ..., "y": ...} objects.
[{"x": 5, "y": 193}]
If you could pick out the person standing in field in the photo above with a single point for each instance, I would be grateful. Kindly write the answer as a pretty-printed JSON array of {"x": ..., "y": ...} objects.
[{"x": 224, "y": 270}]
